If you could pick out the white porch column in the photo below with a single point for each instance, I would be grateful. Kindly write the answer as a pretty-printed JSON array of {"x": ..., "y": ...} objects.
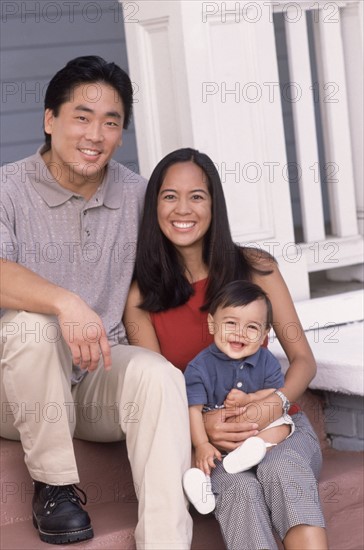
[
  {"x": 334, "y": 107},
  {"x": 353, "y": 42},
  {"x": 340, "y": 50},
  {"x": 207, "y": 77},
  {"x": 305, "y": 129}
]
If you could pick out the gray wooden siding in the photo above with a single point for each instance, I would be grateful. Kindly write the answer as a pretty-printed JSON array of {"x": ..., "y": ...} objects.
[{"x": 37, "y": 39}]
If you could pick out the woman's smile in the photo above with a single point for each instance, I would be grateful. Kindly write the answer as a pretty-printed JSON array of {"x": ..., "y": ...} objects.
[{"x": 184, "y": 205}]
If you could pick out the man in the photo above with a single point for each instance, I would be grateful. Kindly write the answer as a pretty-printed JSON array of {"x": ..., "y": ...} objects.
[{"x": 69, "y": 220}]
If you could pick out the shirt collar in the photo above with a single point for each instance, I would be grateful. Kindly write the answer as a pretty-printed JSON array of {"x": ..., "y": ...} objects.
[
  {"x": 55, "y": 195},
  {"x": 251, "y": 360},
  {"x": 110, "y": 191},
  {"x": 44, "y": 183}
]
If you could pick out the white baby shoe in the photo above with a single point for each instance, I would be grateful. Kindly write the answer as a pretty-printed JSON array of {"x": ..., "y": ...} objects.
[
  {"x": 249, "y": 454},
  {"x": 197, "y": 487}
]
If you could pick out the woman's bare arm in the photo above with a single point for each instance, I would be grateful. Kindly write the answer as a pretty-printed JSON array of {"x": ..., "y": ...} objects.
[
  {"x": 290, "y": 334},
  {"x": 138, "y": 325},
  {"x": 301, "y": 371}
]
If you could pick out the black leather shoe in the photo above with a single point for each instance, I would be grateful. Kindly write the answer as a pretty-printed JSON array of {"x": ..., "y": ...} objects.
[{"x": 58, "y": 514}]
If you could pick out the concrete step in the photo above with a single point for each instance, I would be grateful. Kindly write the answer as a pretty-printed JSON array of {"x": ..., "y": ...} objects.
[
  {"x": 107, "y": 519},
  {"x": 114, "y": 522},
  {"x": 342, "y": 496},
  {"x": 112, "y": 504},
  {"x": 104, "y": 471},
  {"x": 106, "y": 478}
]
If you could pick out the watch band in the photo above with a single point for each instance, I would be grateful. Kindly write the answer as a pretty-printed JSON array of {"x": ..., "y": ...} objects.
[{"x": 285, "y": 402}]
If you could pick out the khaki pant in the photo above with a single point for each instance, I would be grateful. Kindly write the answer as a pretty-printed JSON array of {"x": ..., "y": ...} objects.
[{"x": 142, "y": 399}]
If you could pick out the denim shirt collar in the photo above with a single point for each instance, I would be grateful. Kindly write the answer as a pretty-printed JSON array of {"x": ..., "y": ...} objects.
[{"x": 250, "y": 360}]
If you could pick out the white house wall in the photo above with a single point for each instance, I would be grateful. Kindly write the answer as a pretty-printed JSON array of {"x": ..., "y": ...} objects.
[
  {"x": 209, "y": 79},
  {"x": 215, "y": 101}
]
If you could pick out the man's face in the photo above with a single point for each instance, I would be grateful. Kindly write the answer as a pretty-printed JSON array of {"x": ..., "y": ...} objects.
[
  {"x": 85, "y": 134},
  {"x": 239, "y": 331}
]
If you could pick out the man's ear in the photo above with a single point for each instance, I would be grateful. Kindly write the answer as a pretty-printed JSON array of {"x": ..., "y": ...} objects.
[
  {"x": 48, "y": 121},
  {"x": 211, "y": 324}
]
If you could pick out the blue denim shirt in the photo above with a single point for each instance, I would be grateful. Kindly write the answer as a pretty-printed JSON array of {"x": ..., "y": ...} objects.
[{"x": 212, "y": 374}]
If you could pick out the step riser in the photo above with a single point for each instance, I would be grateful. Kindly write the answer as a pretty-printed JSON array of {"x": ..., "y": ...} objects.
[
  {"x": 105, "y": 477},
  {"x": 341, "y": 493}
]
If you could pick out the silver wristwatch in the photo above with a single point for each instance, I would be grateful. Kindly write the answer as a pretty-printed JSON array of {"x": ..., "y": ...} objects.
[{"x": 285, "y": 403}]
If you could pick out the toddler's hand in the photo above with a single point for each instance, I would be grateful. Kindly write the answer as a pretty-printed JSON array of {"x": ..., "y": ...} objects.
[
  {"x": 205, "y": 455},
  {"x": 236, "y": 398}
]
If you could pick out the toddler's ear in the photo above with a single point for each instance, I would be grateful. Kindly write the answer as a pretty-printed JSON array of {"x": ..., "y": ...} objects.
[
  {"x": 265, "y": 334},
  {"x": 211, "y": 324}
]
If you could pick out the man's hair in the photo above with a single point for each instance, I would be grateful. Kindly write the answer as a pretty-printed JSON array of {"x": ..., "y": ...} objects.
[
  {"x": 83, "y": 70},
  {"x": 241, "y": 293}
]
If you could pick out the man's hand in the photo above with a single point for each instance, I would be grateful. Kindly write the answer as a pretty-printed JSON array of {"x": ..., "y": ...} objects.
[
  {"x": 85, "y": 334},
  {"x": 81, "y": 327},
  {"x": 224, "y": 429}
]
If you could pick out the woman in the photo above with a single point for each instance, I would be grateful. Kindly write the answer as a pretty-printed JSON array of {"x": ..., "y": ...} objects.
[{"x": 185, "y": 255}]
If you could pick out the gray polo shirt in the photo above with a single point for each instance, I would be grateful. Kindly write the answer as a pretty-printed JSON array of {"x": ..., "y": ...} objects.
[{"x": 87, "y": 247}]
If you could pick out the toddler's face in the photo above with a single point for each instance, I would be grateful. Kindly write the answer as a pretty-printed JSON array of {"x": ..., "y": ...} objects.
[{"x": 239, "y": 331}]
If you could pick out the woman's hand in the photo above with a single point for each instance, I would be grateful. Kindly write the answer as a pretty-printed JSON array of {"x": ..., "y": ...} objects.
[{"x": 225, "y": 430}]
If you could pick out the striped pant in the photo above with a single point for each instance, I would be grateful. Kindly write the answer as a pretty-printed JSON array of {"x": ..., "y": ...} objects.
[{"x": 280, "y": 493}]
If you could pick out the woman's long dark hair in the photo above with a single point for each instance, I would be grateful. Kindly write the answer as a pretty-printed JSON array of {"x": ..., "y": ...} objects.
[{"x": 159, "y": 268}]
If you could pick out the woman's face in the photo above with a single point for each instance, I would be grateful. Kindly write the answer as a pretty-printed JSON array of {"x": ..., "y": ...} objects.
[{"x": 184, "y": 206}]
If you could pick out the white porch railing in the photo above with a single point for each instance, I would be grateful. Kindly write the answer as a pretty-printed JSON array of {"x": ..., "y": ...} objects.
[
  {"x": 197, "y": 66},
  {"x": 338, "y": 50}
]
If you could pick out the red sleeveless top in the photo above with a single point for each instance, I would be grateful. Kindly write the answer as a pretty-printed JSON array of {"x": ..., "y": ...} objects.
[{"x": 182, "y": 331}]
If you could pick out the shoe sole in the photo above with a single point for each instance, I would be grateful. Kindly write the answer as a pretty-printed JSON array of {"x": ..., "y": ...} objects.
[
  {"x": 65, "y": 537},
  {"x": 197, "y": 487},
  {"x": 249, "y": 454}
]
